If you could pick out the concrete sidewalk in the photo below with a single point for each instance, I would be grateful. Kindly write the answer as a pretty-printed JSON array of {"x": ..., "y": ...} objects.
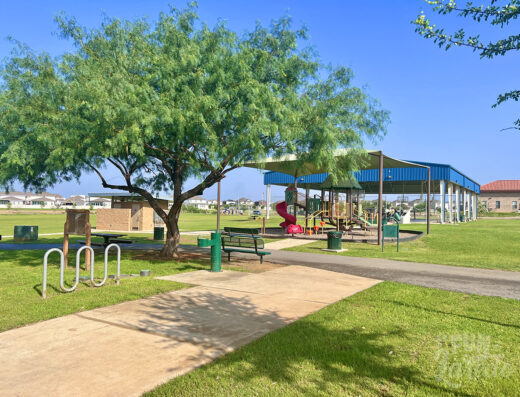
[{"x": 129, "y": 348}]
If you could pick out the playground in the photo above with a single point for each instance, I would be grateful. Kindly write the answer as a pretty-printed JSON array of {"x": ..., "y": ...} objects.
[{"x": 330, "y": 205}]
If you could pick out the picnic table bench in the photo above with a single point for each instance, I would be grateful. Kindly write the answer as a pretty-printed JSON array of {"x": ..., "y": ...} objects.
[{"x": 109, "y": 238}]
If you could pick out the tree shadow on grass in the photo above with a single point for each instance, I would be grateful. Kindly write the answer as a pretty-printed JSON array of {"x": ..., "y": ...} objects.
[
  {"x": 217, "y": 322},
  {"x": 429, "y": 309}
]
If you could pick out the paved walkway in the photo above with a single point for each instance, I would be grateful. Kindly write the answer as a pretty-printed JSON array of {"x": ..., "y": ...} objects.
[
  {"x": 286, "y": 243},
  {"x": 129, "y": 348},
  {"x": 452, "y": 278}
]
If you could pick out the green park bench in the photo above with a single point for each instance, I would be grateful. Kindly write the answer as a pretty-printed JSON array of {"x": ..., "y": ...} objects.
[
  {"x": 244, "y": 244},
  {"x": 242, "y": 231}
]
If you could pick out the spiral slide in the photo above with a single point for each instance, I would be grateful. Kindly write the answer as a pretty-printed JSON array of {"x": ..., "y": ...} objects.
[{"x": 290, "y": 220}]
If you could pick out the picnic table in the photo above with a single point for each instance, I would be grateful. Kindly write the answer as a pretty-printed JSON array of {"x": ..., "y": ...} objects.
[{"x": 109, "y": 238}]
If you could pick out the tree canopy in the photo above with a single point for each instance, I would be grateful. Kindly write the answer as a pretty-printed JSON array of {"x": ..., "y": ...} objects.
[
  {"x": 167, "y": 101},
  {"x": 494, "y": 14}
]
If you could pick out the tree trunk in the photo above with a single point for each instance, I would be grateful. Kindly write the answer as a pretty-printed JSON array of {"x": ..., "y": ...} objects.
[{"x": 173, "y": 236}]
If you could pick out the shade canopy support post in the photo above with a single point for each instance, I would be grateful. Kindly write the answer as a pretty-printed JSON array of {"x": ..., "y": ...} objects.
[
  {"x": 442, "y": 192},
  {"x": 380, "y": 201},
  {"x": 267, "y": 201},
  {"x": 218, "y": 207},
  {"x": 428, "y": 202}
]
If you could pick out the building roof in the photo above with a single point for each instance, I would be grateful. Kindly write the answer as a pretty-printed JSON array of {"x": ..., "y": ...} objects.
[
  {"x": 197, "y": 198},
  {"x": 396, "y": 180},
  {"x": 123, "y": 194},
  {"x": 511, "y": 185}
]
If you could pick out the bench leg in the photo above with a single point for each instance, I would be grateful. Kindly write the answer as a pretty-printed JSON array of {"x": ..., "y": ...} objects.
[
  {"x": 261, "y": 259},
  {"x": 229, "y": 256}
]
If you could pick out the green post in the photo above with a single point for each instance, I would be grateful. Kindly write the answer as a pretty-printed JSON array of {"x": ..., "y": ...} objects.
[{"x": 216, "y": 253}]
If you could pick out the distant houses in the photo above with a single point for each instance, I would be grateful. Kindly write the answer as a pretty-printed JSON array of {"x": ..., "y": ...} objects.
[
  {"x": 197, "y": 201},
  {"x": 47, "y": 200}
]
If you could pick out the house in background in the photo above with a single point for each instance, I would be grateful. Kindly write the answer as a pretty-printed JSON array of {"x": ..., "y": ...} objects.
[
  {"x": 197, "y": 201},
  {"x": 246, "y": 202},
  {"x": 501, "y": 195},
  {"x": 16, "y": 199}
]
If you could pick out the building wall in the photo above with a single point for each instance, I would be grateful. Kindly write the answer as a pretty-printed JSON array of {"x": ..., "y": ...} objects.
[
  {"x": 114, "y": 219},
  {"x": 506, "y": 201},
  {"x": 146, "y": 221}
]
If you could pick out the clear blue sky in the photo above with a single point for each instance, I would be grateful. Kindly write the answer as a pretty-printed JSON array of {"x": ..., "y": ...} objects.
[{"x": 440, "y": 102}]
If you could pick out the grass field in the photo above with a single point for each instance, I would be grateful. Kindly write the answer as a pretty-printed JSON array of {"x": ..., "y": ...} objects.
[
  {"x": 392, "y": 339},
  {"x": 53, "y": 223},
  {"x": 21, "y": 282},
  {"x": 487, "y": 243}
]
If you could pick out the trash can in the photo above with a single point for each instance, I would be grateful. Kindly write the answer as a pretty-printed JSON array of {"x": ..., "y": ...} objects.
[
  {"x": 334, "y": 240},
  {"x": 158, "y": 233},
  {"x": 25, "y": 233}
]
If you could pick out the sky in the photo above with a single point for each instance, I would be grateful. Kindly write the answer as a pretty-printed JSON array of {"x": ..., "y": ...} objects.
[{"x": 439, "y": 101}]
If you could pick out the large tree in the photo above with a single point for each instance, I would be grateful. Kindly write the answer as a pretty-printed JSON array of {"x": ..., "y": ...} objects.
[
  {"x": 165, "y": 102},
  {"x": 493, "y": 13}
]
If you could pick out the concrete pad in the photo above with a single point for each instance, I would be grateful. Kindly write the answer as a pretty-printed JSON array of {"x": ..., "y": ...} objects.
[
  {"x": 287, "y": 243},
  {"x": 129, "y": 348},
  {"x": 201, "y": 277}
]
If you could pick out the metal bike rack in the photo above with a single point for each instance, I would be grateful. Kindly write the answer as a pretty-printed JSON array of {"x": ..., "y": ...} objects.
[{"x": 78, "y": 255}]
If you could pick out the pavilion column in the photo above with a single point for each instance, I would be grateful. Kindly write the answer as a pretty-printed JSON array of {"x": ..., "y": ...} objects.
[
  {"x": 380, "y": 201},
  {"x": 267, "y": 201},
  {"x": 457, "y": 204},
  {"x": 428, "y": 201},
  {"x": 442, "y": 193},
  {"x": 475, "y": 206},
  {"x": 465, "y": 203},
  {"x": 450, "y": 202}
]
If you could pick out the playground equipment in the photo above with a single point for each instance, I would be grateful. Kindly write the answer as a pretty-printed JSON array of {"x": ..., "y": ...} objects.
[
  {"x": 289, "y": 223},
  {"x": 77, "y": 223},
  {"x": 216, "y": 255},
  {"x": 78, "y": 256},
  {"x": 390, "y": 231}
]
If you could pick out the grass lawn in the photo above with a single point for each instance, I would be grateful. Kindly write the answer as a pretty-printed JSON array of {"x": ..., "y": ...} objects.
[
  {"x": 53, "y": 223},
  {"x": 486, "y": 243},
  {"x": 392, "y": 339},
  {"x": 21, "y": 282}
]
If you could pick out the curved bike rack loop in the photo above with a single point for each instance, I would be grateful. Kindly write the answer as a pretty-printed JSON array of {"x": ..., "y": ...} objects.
[
  {"x": 44, "y": 284},
  {"x": 118, "y": 272}
]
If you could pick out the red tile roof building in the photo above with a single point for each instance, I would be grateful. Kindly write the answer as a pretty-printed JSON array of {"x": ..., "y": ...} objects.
[
  {"x": 511, "y": 185},
  {"x": 501, "y": 195}
]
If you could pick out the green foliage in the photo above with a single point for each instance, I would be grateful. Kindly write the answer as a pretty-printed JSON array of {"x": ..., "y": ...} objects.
[
  {"x": 494, "y": 14},
  {"x": 163, "y": 102},
  {"x": 482, "y": 209}
]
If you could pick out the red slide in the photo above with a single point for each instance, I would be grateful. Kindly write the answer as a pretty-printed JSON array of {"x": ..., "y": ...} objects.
[{"x": 290, "y": 220}]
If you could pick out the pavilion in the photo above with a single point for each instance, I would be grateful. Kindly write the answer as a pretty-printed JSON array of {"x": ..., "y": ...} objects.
[{"x": 381, "y": 174}]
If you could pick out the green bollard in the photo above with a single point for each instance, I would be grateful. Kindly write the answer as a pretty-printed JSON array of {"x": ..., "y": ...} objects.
[{"x": 216, "y": 254}]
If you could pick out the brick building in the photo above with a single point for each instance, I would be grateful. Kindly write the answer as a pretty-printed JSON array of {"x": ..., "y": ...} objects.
[
  {"x": 501, "y": 196},
  {"x": 128, "y": 213}
]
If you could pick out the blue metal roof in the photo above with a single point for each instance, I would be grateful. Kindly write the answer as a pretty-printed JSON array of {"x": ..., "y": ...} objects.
[{"x": 412, "y": 178}]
